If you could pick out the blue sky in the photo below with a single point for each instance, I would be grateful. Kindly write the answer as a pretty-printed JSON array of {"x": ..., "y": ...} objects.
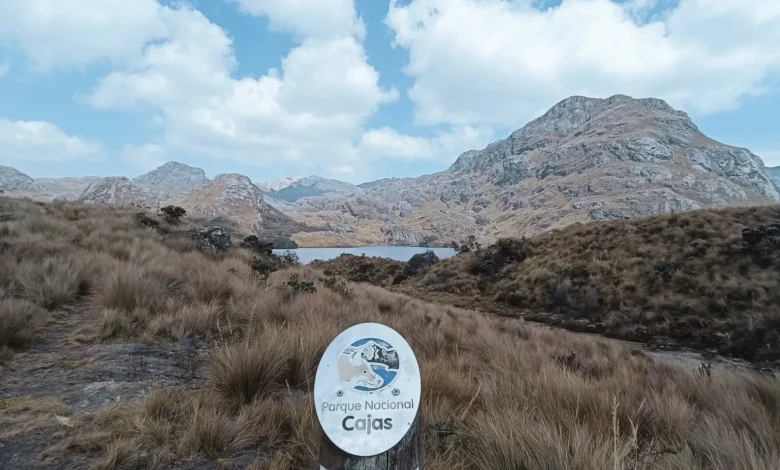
[{"x": 359, "y": 89}]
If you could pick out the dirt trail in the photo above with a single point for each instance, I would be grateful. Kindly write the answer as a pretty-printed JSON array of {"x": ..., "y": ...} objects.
[{"x": 70, "y": 372}]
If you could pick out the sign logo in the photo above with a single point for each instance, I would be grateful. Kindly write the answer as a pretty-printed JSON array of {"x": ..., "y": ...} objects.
[
  {"x": 367, "y": 389},
  {"x": 368, "y": 365}
]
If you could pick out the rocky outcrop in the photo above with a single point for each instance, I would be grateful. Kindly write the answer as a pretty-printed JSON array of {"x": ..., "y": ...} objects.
[
  {"x": 15, "y": 183},
  {"x": 173, "y": 179},
  {"x": 229, "y": 196},
  {"x": 404, "y": 237},
  {"x": 419, "y": 263},
  {"x": 120, "y": 191},
  {"x": 214, "y": 239}
]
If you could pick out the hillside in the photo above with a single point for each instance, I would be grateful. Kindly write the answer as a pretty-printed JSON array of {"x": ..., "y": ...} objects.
[
  {"x": 708, "y": 279},
  {"x": 67, "y": 188},
  {"x": 774, "y": 175},
  {"x": 15, "y": 183},
  {"x": 124, "y": 348},
  {"x": 585, "y": 159}
]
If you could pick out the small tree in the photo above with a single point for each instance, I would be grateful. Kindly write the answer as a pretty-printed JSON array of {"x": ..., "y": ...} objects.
[{"x": 173, "y": 214}]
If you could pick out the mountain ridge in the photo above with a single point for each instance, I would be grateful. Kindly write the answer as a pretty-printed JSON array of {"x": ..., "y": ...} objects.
[{"x": 584, "y": 159}]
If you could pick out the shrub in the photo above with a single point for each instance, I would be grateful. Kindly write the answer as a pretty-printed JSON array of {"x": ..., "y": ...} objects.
[{"x": 173, "y": 214}]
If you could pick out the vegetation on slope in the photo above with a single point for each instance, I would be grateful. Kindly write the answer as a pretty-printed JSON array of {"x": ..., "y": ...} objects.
[
  {"x": 691, "y": 277},
  {"x": 497, "y": 393}
]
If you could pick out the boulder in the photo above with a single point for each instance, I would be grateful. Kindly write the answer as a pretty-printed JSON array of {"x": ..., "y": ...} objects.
[
  {"x": 419, "y": 263},
  {"x": 211, "y": 238}
]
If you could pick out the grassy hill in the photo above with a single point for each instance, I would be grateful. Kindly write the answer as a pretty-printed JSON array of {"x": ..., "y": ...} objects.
[
  {"x": 688, "y": 279},
  {"x": 123, "y": 348}
]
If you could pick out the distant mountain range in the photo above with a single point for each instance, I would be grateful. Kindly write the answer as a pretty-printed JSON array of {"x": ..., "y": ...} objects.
[{"x": 585, "y": 159}]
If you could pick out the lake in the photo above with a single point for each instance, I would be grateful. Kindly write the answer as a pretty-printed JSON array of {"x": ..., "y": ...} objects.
[{"x": 398, "y": 253}]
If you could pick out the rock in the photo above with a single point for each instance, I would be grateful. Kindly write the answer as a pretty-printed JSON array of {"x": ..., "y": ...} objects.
[
  {"x": 14, "y": 182},
  {"x": 119, "y": 191},
  {"x": 173, "y": 179},
  {"x": 210, "y": 238},
  {"x": 404, "y": 237},
  {"x": 419, "y": 263},
  {"x": 252, "y": 242}
]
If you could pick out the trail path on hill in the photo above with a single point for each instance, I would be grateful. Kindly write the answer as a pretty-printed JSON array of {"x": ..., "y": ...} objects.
[{"x": 69, "y": 372}]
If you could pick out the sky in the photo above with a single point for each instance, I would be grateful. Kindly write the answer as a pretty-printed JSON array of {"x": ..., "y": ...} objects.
[{"x": 358, "y": 90}]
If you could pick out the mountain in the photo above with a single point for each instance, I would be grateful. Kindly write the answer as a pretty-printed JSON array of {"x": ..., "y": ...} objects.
[
  {"x": 312, "y": 186},
  {"x": 774, "y": 175},
  {"x": 276, "y": 185},
  {"x": 120, "y": 191},
  {"x": 15, "y": 183},
  {"x": 584, "y": 159},
  {"x": 68, "y": 188},
  {"x": 173, "y": 178},
  {"x": 230, "y": 198}
]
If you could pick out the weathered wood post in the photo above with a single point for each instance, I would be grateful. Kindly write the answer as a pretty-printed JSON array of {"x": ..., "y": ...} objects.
[{"x": 367, "y": 395}]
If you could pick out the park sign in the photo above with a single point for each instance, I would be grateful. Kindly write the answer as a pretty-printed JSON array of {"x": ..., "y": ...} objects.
[{"x": 367, "y": 389}]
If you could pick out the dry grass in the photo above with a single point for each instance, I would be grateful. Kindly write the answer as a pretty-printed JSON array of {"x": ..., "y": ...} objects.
[
  {"x": 497, "y": 394},
  {"x": 690, "y": 277},
  {"x": 377, "y": 271},
  {"x": 21, "y": 323}
]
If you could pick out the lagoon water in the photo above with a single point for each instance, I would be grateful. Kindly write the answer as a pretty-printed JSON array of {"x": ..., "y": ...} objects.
[{"x": 398, "y": 253}]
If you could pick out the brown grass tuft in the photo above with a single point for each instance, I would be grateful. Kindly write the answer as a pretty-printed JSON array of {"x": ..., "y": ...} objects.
[{"x": 21, "y": 323}]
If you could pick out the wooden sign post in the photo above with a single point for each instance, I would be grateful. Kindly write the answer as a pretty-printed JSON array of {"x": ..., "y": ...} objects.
[{"x": 367, "y": 396}]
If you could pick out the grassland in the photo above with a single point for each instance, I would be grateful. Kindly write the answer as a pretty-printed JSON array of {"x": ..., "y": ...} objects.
[
  {"x": 81, "y": 284},
  {"x": 688, "y": 279}
]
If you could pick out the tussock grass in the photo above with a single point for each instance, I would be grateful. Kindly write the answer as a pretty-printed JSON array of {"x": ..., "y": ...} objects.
[
  {"x": 21, "y": 323},
  {"x": 689, "y": 277},
  {"x": 497, "y": 393}
]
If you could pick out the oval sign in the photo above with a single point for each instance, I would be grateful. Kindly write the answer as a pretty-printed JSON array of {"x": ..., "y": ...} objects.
[{"x": 367, "y": 389}]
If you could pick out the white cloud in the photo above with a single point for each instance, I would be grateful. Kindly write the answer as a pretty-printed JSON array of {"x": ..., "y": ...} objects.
[
  {"x": 309, "y": 111},
  {"x": 389, "y": 144},
  {"x": 308, "y": 18},
  {"x": 43, "y": 142},
  {"x": 491, "y": 61},
  {"x": 771, "y": 158},
  {"x": 4, "y": 68},
  {"x": 67, "y": 33},
  {"x": 145, "y": 157}
]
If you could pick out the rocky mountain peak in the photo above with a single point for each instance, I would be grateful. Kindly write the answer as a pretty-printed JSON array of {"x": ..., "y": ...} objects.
[
  {"x": 14, "y": 181},
  {"x": 173, "y": 178},
  {"x": 121, "y": 191},
  {"x": 228, "y": 195}
]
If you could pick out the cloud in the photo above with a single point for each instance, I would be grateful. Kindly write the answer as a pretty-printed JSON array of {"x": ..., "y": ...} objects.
[
  {"x": 389, "y": 144},
  {"x": 145, "y": 157},
  {"x": 501, "y": 62},
  {"x": 310, "y": 111},
  {"x": 306, "y": 18},
  {"x": 4, "y": 68},
  {"x": 75, "y": 33},
  {"x": 771, "y": 158},
  {"x": 42, "y": 141}
]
